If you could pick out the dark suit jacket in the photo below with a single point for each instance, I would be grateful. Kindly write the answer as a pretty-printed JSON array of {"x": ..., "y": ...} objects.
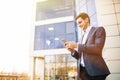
[{"x": 92, "y": 52}]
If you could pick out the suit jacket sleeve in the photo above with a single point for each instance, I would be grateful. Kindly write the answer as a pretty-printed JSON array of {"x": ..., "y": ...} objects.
[{"x": 75, "y": 54}]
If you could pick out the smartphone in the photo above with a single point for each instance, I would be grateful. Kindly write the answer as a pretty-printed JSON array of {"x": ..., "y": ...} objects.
[{"x": 64, "y": 41}]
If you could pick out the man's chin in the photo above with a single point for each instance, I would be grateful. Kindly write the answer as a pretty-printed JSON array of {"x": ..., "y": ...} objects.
[{"x": 82, "y": 28}]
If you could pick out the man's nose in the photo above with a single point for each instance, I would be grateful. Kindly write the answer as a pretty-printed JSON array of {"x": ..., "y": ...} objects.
[{"x": 79, "y": 25}]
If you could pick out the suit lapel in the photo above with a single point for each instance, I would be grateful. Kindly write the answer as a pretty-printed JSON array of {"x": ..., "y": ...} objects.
[{"x": 90, "y": 33}]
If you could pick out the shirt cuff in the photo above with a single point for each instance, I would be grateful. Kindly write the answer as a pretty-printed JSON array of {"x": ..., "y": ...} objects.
[{"x": 73, "y": 52}]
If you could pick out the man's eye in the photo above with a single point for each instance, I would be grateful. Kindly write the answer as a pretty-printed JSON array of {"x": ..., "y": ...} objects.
[{"x": 80, "y": 22}]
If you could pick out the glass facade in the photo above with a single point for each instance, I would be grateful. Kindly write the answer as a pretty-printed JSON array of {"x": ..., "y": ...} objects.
[
  {"x": 54, "y": 9},
  {"x": 89, "y": 7},
  {"x": 60, "y": 67},
  {"x": 50, "y": 36}
]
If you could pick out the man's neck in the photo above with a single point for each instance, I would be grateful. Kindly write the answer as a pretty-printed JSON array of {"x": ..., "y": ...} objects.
[{"x": 88, "y": 25}]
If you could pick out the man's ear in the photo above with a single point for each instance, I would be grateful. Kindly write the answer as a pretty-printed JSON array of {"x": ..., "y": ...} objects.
[{"x": 86, "y": 20}]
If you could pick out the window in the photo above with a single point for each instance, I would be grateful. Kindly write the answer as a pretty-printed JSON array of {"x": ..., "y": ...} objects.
[
  {"x": 54, "y": 9},
  {"x": 50, "y": 36},
  {"x": 64, "y": 67}
]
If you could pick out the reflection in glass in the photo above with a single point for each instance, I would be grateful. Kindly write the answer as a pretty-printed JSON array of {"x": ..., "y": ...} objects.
[
  {"x": 60, "y": 58},
  {"x": 70, "y": 37},
  {"x": 50, "y": 36},
  {"x": 70, "y": 59},
  {"x": 50, "y": 71},
  {"x": 70, "y": 27},
  {"x": 91, "y": 8},
  {"x": 49, "y": 59},
  {"x": 54, "y": 9},
  {"x": 39, "y": 38},
  {"x": 71, "y": 69},
  {"x": 60, "y": 28},
  {"x": 62, "y": 68}
]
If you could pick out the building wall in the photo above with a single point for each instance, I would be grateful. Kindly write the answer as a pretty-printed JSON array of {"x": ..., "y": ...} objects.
[{"x": 108, "y": 13}]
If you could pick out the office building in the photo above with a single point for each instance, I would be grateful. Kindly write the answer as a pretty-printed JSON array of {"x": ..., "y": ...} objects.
[{"x": 54, "y": 21}]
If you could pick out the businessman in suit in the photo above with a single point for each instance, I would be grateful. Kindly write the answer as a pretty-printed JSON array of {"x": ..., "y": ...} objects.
[{"x": 88, "y": 51}]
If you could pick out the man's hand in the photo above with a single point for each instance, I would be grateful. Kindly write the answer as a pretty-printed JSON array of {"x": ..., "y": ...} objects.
[{"x": 71, "y": 44}]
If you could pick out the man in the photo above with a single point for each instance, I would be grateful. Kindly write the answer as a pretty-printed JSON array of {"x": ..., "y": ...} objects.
[{"x": 91, "y": 65}]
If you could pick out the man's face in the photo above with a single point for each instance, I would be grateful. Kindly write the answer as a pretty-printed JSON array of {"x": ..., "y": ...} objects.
[{"x": 82, "y": 23}]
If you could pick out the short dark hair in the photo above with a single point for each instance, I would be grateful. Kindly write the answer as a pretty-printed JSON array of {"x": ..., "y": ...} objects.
[{"x": 83, "y": 16}]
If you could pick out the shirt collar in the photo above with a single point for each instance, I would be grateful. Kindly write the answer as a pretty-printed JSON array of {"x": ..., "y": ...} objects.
[{"x": 87, "y": 30}]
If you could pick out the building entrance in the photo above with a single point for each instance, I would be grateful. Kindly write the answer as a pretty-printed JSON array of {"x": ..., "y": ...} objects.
[{"x": 60, "y": 67}]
